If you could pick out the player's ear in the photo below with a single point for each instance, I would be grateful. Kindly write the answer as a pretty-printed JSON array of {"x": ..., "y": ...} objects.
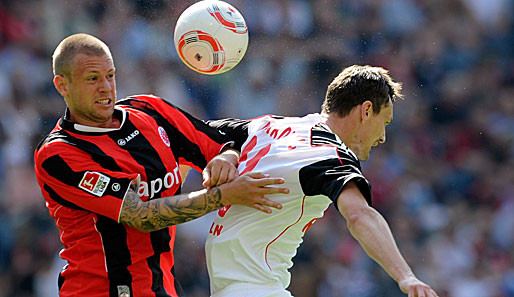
[
  {"x": 366, "y": 110},
  {"x": 60, "y": 84}
]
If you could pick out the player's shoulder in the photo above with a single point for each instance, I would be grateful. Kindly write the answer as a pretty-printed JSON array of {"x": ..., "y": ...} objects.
[
  {"x": 55, "y": 136},
  {"x": 148, "y": 103},
  {"x": 142, "y": 101},
  {"x": 55, "y": 142},
  {"x": 321, "y": 135}
]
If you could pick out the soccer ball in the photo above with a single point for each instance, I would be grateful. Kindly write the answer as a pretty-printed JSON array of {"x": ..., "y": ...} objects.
[{"x": 211, "y": 37}]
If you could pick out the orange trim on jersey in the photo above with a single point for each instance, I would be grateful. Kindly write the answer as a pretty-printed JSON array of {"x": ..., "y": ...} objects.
[{"x": 281, "y": 233}]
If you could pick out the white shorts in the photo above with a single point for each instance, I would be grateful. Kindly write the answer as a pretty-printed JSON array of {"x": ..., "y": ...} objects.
[{"x": 252, "y": 290}]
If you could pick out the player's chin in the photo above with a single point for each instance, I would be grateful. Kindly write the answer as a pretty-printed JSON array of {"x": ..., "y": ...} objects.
[
  {"x": 104, "y": 111},
  {"x": 363, "y": 156}
]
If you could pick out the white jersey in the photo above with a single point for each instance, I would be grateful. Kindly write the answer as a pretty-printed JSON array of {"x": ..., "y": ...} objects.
[{"x": 246, "y": 247}]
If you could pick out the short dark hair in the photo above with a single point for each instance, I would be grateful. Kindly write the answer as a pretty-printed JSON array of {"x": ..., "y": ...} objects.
[
  {"x": 356, "y": 84},
  {"x": 72, "y": 45}
]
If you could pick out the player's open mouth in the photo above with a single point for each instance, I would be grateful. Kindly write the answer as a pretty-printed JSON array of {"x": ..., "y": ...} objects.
[{"x": 104, "y": 101}]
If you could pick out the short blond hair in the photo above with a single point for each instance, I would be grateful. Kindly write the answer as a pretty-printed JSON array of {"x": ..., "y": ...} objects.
[{"x": 72, "y": 45}]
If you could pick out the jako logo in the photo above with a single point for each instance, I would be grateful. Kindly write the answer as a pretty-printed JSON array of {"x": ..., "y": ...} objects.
[
  {"x": 123, "y": 141},
  {"x": 158, "y": 184}
]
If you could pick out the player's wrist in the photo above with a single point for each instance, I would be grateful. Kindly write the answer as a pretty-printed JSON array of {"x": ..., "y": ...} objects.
[
  {"x": 223, "y": 194},
  {"x": 214, "y": 198}
]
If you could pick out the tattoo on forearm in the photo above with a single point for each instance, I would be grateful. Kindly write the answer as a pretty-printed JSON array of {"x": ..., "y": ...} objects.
[
  {"x": 213, "y": 199},
  {"x": 164, "y": 212}
]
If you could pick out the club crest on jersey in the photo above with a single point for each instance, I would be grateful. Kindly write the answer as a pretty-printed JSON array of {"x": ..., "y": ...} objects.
[
  {"x": 164, "y": 136},
  {"x": 94, "y": 183}
]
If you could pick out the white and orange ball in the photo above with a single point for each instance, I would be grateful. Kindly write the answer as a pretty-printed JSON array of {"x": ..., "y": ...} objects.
[{"x": 211, "y": 37}]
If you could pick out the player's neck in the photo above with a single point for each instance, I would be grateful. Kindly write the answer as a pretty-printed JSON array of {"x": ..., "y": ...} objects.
[
  {"x": 345, "y": 127},
  {"x": 112, "y": 123}
]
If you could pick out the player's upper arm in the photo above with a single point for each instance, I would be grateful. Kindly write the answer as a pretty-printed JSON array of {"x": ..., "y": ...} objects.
[
  {"x": 73, "y": 179},
  {"x": 351, "y": 200}
]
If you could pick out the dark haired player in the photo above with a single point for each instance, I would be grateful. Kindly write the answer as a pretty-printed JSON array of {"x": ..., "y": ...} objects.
[{"x": 249, "y": 253}]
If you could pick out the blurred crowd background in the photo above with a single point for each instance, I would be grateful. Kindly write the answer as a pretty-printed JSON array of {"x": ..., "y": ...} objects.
[{"x": 444, "y": 180}]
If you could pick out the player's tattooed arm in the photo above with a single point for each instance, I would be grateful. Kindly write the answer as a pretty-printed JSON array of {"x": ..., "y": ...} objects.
[
  {"x": 164, "y": 212},
  {"x": 248, "y": 189}
]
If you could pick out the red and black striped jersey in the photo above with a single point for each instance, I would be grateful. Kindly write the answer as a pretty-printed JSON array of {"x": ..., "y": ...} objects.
[{"x": 84, "y": 174}]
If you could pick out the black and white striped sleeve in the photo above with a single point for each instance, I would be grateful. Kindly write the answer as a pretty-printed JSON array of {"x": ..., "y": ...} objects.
[
  {"x": 235, "y": 129},
  {"x": 329, "y": 177}
]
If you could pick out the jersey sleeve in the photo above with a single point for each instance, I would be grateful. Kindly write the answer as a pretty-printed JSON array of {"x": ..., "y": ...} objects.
[
  {"x": 70, "y": 177},
  {"x": 194, "y": 142},
  {"x": 235, "y": 129},
  {"x": 329, "y": 177}
]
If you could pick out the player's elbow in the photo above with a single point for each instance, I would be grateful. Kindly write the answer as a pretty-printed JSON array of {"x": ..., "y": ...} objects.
[{"x": 362, "y": 218}]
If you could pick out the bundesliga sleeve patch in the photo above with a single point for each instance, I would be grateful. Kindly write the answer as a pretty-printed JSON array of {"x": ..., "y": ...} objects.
[{"x": 94, "y": 183}]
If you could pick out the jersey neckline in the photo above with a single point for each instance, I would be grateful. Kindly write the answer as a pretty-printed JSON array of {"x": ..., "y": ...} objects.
[{"x": 66, "y": 124}]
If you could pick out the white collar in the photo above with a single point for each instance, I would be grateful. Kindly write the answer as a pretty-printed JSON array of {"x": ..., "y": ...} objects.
[{"x": 84, "y": 128}]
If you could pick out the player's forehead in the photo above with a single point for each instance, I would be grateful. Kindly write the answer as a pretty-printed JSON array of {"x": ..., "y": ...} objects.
[{"x": 83, "y": 63}]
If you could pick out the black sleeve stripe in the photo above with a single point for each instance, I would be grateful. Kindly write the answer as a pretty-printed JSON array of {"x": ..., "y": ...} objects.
[
  {"x": 235, "y": 129},
  {"x": 328, "y": 177},
  {"x": 55, "y": 166},
  {"x": 97, "y": 154},
  {"x": 55, "y": 197}
]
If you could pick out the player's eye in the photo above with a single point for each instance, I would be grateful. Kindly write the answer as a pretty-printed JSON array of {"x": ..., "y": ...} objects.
[
  {"x": 92, "y": 78},
  {"x": 110, "y": 75}
]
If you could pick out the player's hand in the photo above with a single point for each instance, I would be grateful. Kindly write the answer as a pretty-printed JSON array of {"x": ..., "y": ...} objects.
[
  {"x": 416, "y": 288},
  {"x": 249, "y": 189},
  {"x": 221, "y": 169}
]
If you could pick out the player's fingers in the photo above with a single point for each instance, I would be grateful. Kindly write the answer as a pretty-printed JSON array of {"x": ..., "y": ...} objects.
[
  {"x": 206, "y": 176},
  {"x": 233, "y": 174},
  {"x": 267, "y": 202},
  {"x": 223, "y": 176},
  {"x": 273, "y": 190},
  {"x": 421, "y": 292},
  {"x": 269, "y": 181},
  {"x": 434, "y": 293},
  {"x": 256, "y": 175},
  {"x": 216, "y": 172},
  {"x": 261, "y": 208}
]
